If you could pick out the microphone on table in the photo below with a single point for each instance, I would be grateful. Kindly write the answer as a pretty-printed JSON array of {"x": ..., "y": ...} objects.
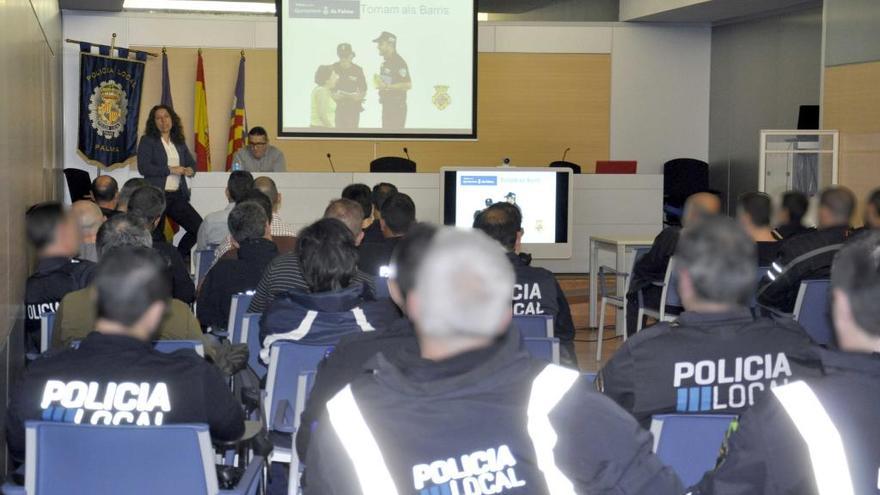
[
  {"x": 565, "y": 153},
  {"x": 330, "y": 159},
  {"x": 406, "y": 151}
]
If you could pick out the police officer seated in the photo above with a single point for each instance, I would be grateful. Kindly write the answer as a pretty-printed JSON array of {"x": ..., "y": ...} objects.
[
  {"x": 334, "y": 304},
  {"x": 872, "y": 213},
  {"x": 536, "y": 291},
  {"x": 808, "y": 256},
  {"x": 470, "y": 411},
  {"x": 381, "y": 192},
  {"x": 362, "y": 195},
  {"x": 717, "y": 357},
  {"x": 115, "y": 377},
  {"x": 398, "y": 214},
  {"x": 790, "y": 219},
  {"x": 105, "y": 192},
  {"x": 754, "y": 211},
  {"x": 820, "y": 435},
  {"x": 649, "y": 272},
  {"x": 55, "y": 236}
]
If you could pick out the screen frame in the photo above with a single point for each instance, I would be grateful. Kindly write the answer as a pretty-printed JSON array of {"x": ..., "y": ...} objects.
[
  {"x": 559, "y": 250},
  {"x": 376, "y": 136}
]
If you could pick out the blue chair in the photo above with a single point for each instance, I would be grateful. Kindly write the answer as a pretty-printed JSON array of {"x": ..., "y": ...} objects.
[
  {"x": 238, "y": 306},
  {"x": 613, "y": 299},
  {"x": 669, "y": 299},
  {"x": 47, "y": 331},
  {"x": 689, "y": 444},
  {"x": 66, "y": 458},
  {"x": 169, "y": 346},
  {"x": 203, "y": 260},
  {"x": 381, "y": 284},
  {"x": 250, "y": 335},
  {"x": 538, "y": 326},
  {"x": 762, "y": 272},
  {"x": 590, "y": 376},
  {"x": 543, "y": 348},
  {"x": 811, "y": 310}
]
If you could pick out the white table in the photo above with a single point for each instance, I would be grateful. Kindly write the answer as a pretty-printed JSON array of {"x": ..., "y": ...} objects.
[{"x": 620, "y": 245}]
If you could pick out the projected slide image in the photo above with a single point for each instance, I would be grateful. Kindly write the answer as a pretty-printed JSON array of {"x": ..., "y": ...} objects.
[
  {"x": 533, "y": 192},
  {"x": 377, "y": 67}
]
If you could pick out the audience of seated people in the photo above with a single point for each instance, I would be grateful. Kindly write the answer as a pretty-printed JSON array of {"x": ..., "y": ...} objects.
[
  {"x": 362, "y": 195},
  {"x": 536, "y": 291},
  {"x": 105, "y": 193},
  {"x": 381, "y": 192},
  {"x": 115, "y": 376},
  {"x": 213, "y": 230},
  {"x": 335, "y": 303},
  {"x": 809, "y": 255},
  {"x": 54, "y": 235},
  {"x": 717, "y": 357},
  {"x": 251, "y": 238},
  {"x": 75, "y": 317},
  {"x": 469, "y": 391},
  {"x": 89, "y": 219},
  {"x": 148, "y": 203},
  {"x": 398, "y": 214},
  {"x": 650, "y": 271},
  {"x": 754, "y": 211},
  {"x": 792, "y": 211},
  {"x": 283, "y": 234},
  {"x": 130, "y": 186}
]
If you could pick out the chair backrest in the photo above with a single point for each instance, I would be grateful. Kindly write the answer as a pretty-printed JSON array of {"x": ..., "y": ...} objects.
[
  {"x": 392, "y": 164},
  {"x": 250, "y": 335},
  {"x": 203, "y": 259},
  {"x": 540, "y": 326},
  {"x": 669, "y": 295},
  {"x": 543, "y": 348},
  {"x": 616, "y": 166},
  {"x": 575, "y": 168},
  {"x": 762, "y": 272},
  {"x": 381, "y": 284},
  {"x": 811, "y": 310},
  {"x": 119, "y": 459},
  {"x": 290, "y": 364},
  {"x": 79, "y": 184},
  {"x": 683, "y": 177},
  {"x": 169, "y": 346},
  {"x": 238, "y": 306},
  {"x": 638, "y": 253},
  {"x": 47, "y": 331},
  {"x": 689, "y": 444}
]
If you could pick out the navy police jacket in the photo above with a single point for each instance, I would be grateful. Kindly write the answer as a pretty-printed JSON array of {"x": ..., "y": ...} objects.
[
  {"x": 705, "y": 364},
  {"x": 772, "y": 448},
  {"x": 537, "y": 292},
  {"x": 325, "y": 317},
  {"x": 53, "y": 279},
  {"x": 490, "y": 421}
]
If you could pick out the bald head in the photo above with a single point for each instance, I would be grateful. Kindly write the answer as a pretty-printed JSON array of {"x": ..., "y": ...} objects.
[
  {"x": 348, "y": 212},
  {"x": 699, "y": 207},
  {"x": 105, "y": 191},
  {"x": 89, "y": 219},
  {"x": 267, "y": 186}
]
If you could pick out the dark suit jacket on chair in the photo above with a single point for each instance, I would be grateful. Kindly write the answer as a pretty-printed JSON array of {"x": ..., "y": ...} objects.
[{"x": 152, "y": 162}]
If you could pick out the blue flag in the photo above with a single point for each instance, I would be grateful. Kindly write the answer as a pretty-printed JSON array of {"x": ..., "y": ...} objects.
[
  {"x": 166, "y": 82},
  {"x": 109, "y": 107}
]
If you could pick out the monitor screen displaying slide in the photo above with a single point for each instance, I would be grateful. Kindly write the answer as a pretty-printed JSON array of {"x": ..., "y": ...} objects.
[
  {"x": 394, "y": 69},
  {"x": 542, "y": 195}
]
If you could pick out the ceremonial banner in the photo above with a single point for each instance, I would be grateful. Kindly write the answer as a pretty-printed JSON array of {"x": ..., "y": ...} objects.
[
  {"x": 200, "y": 124},
  {"x": 237, "y": 119},
  {"x": 109, "y": 105},
  {"x": 166, "y": 82}
]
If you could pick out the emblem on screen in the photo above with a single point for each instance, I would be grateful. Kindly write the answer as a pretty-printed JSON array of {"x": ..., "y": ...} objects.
[
  {"x": 441, "y": 98},
  {"x": 108, "y": 108}
]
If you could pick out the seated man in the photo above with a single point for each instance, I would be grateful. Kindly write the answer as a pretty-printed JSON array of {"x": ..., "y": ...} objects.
[
  {"x": 89, "y": 219},
  {"x": 76, "y": 316},
  {"x": 820, "y": 435},
  {"x": 213, "y": 230},
  {"x": 55, "y": 236},
  {"x": 361, "y": 194},
  {"x": 283, "y": 234},
  {"x": 346, "y": 362},
  {"x": 381, "y": 192},
  {"x": 398, "y": 215},
  {"x": 259, "y": 155},
  {"x": 105, "y": 192},
  {"x": 790, "y": 220},
  {"x": 334, "y": 304},
  {"x": 148, "y": 203},
  {"x": 116, "y": 377},
  {"x": 808, "y": 256},
  {"x": 753, "y": 211},
  {"x": 536, "y": 291},
  {"x": 717, "y": 358},
  {"x": 130, "y": 186},
  {"x": 285, "y": 273},
  {"x": 872, "y": 211},
  {"x": 468, "y": 411},
  {"x": 651, "y": 269},
  {"x": 249, "y": 226}
]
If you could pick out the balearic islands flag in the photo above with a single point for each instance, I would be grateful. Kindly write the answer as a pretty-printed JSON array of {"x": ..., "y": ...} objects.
[
  {"x": 237, "y": 119},
  {"x": 200, "y": 124}
]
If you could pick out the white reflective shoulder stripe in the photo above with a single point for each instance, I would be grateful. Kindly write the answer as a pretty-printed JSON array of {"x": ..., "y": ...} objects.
[
  {"x": 296, "y": 334},
  {"x": 361, "y": 319},
  {"x": 548, "y": 388},
  {"x": 359, "y": 443},
  {"x": 827, "y": 454}
]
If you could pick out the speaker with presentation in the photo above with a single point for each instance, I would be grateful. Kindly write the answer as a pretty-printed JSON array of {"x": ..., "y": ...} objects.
[{"x": 388, "y": 69}]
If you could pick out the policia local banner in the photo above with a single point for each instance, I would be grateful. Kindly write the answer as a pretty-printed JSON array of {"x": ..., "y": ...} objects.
[{"x": 109, "y": 105}]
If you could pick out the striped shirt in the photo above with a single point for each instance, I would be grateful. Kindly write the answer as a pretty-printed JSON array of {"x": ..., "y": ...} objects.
[{"x": 279, "y": 229}]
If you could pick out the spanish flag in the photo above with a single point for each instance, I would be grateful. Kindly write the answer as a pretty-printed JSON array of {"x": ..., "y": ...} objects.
[
  {"x": 237, "y": 119},
  {"x": 202, "y": 143}
]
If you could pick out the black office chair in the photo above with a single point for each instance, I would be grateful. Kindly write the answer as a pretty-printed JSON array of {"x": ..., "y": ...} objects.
[
  {"x": 682, "y": 177},
  {"x": 575, "y": 168},
  {"x": 393, "y": 164},
  {"x": 79, "y": 184}
]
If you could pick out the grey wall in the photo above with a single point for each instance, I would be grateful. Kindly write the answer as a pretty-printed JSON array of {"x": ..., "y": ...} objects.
[
  {"x": 852, "y": 31},
  {"x": 762, "y": 71}
]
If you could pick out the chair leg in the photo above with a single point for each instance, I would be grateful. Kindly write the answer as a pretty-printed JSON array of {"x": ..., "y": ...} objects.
[
  {"x": 601, "y": 330},
  {"x": 641, "y": 320}
]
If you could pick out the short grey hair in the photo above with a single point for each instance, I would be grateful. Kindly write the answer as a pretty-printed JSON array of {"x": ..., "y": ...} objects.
[
  {"x": 465, "y": 286},
  {"x": 123, "y": 230}
]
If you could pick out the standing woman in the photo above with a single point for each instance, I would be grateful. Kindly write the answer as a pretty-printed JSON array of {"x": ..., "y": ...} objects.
[{"x": 164, "y": 160}]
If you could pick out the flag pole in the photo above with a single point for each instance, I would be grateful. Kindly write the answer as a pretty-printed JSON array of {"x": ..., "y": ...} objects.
[{"x": 76, "y": 42}]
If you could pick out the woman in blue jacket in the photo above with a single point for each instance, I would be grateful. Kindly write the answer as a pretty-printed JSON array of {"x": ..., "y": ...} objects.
[{"x": 165, "y": 161}]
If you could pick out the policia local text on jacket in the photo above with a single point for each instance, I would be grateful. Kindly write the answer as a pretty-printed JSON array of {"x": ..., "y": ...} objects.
[
  {"x": 53, "y": 279},
  {"x": 705, "y": 363},
  {"x": 824, "y": 428},
  {"x": 492, "y": 420},
  {"x": 116, "y": 379}
]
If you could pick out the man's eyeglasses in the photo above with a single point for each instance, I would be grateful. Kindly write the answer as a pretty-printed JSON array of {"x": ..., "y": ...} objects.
[{"x": 259, "y": 145}]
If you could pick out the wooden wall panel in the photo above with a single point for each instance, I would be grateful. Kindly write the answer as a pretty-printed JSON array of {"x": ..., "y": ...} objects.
[
  {"x": 531, "y": 107},
  {"x": 851, "y": 104}
]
